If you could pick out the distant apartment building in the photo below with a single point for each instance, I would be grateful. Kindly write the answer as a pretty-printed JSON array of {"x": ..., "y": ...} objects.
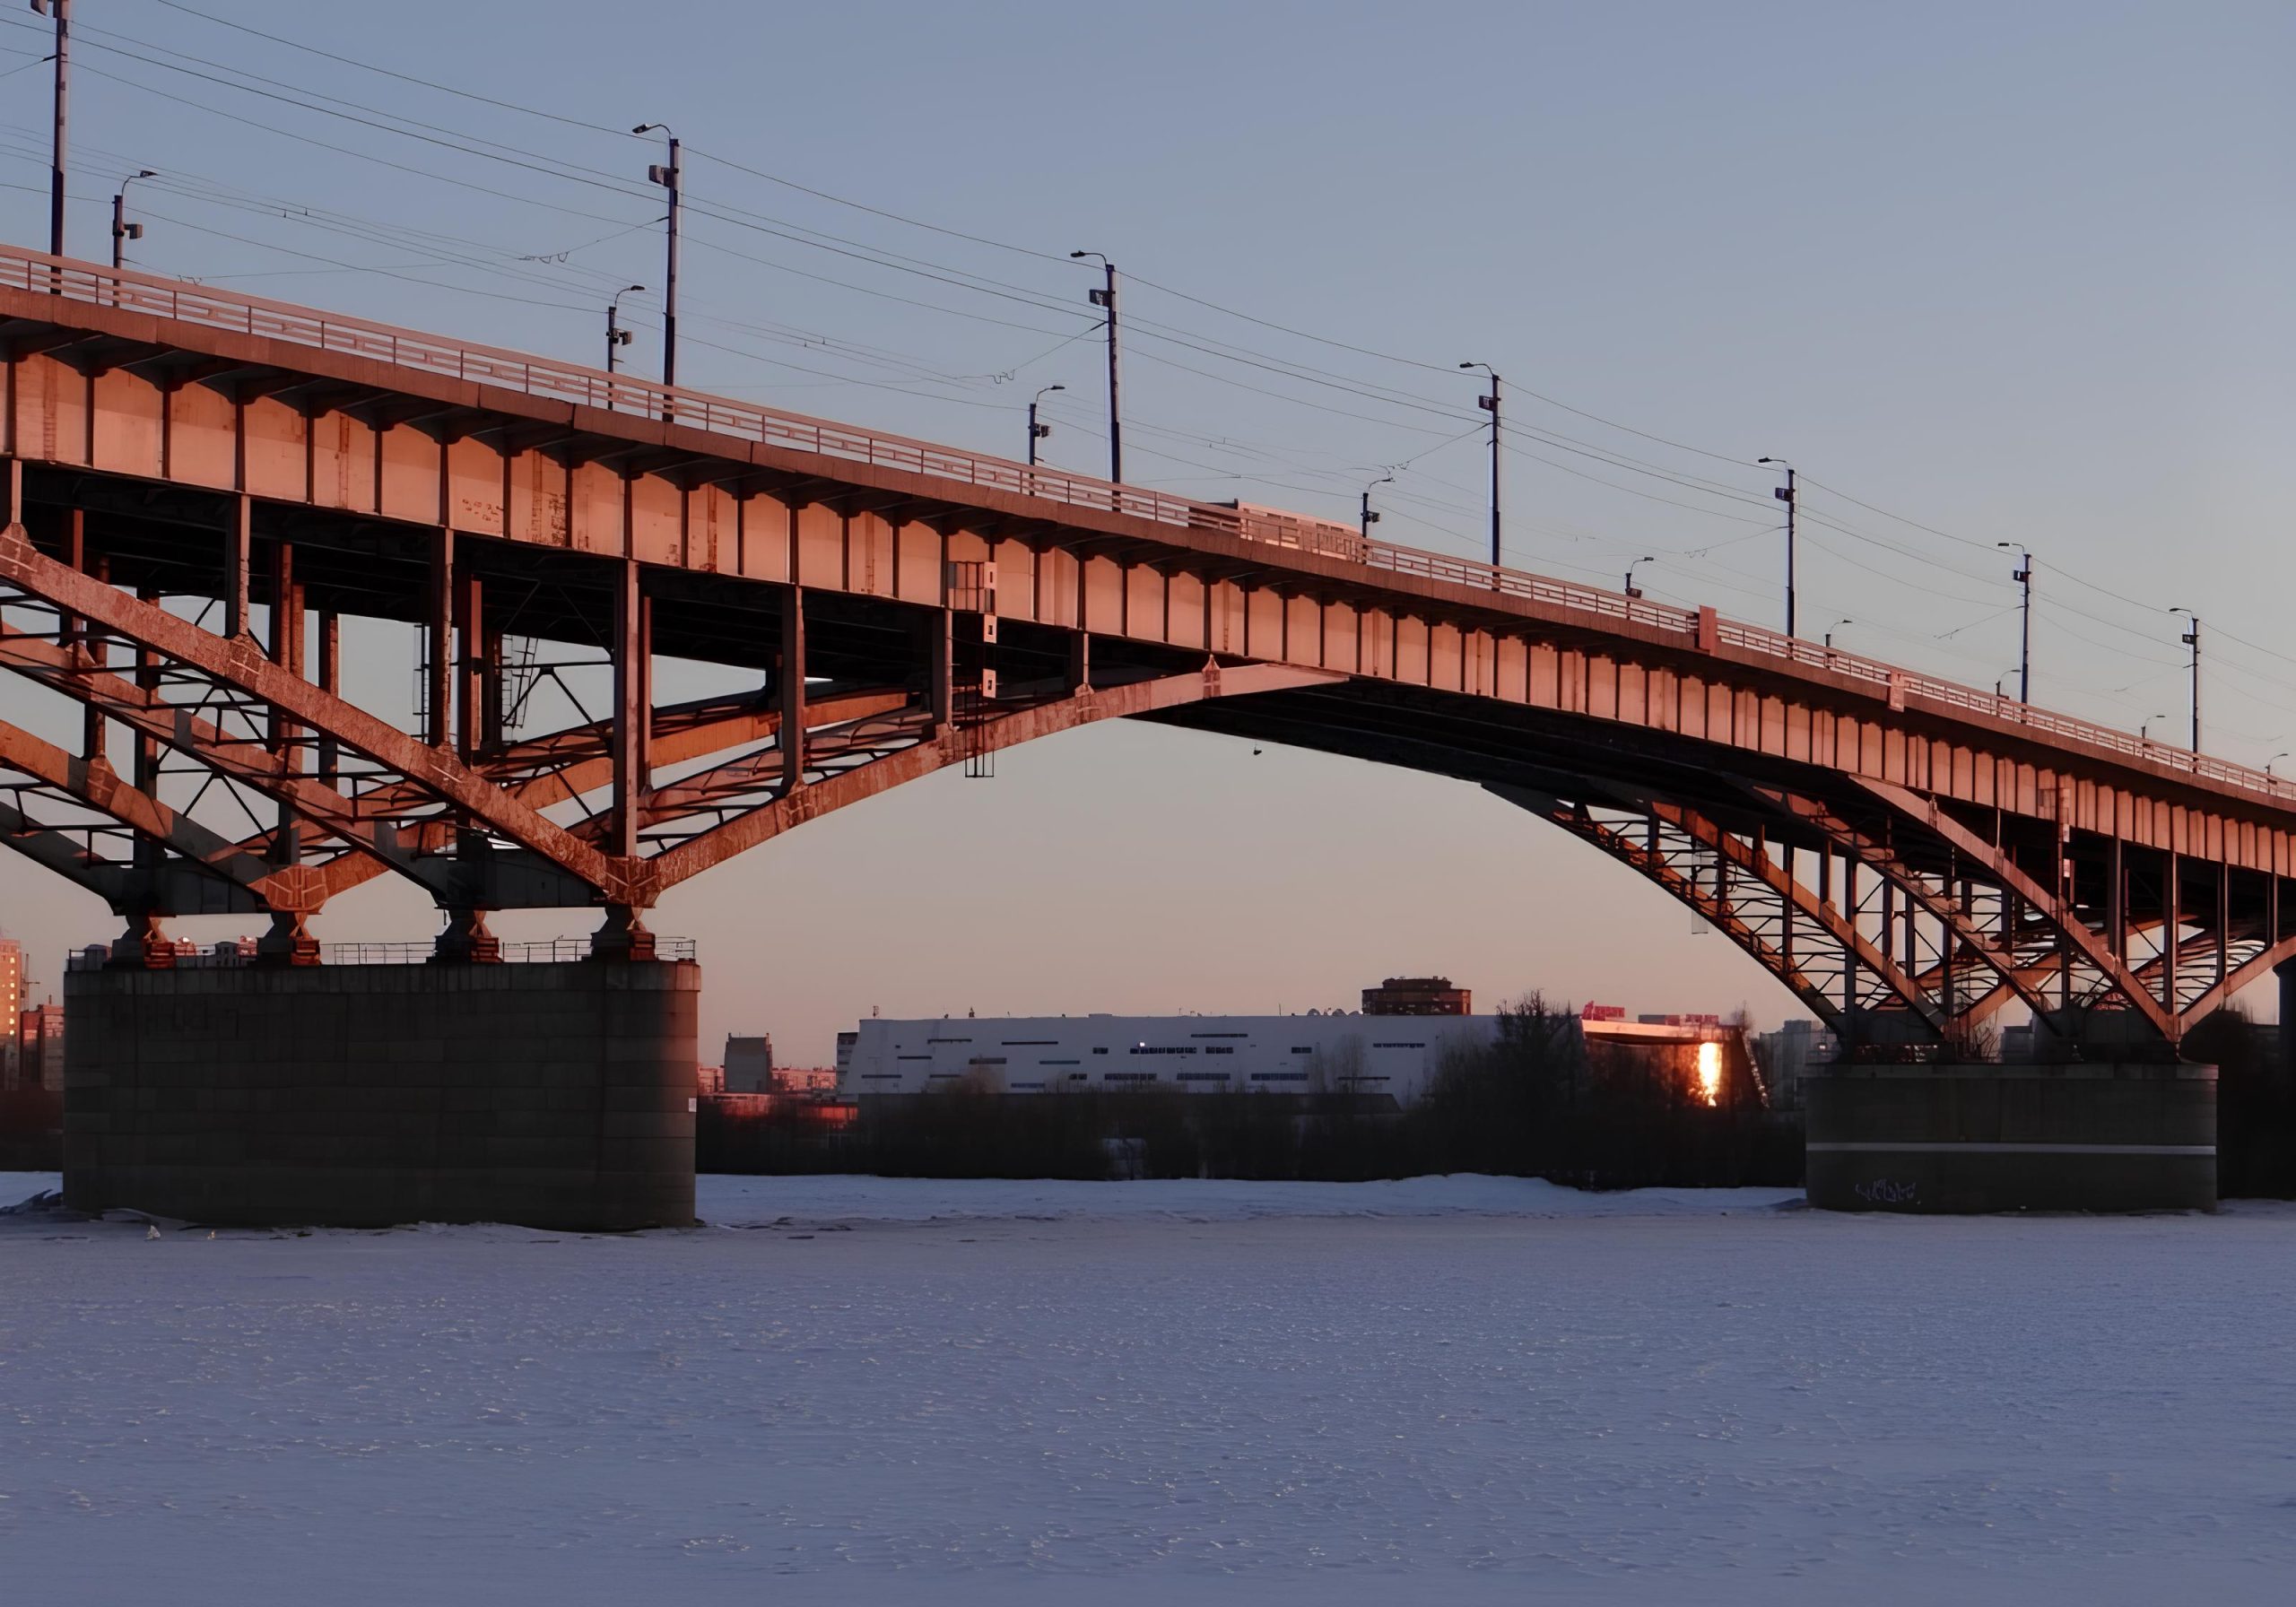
[
  {"x": 12, "y": 1005},
  {"x": 1785, "y": 1055},
  {"x": 39, "y": 1048},
  {"x": 749, "y": 1065},
  {"x": 1417, "y": 996}
]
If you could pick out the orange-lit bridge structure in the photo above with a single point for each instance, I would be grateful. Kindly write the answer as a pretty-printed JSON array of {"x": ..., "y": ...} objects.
[{"x": 203, "y": 488}]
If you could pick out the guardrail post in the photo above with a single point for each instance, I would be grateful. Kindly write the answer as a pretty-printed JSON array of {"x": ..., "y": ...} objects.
[{"x": 1709, "y": 630}]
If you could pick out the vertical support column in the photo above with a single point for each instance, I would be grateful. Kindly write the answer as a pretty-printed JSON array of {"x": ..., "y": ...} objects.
[
  {"x": 146, "y": 943},
  {"x": 465, "y": 940},
  {"x": 1080, "y": 659},
  {"x": 470, "y": 663},
  {"x": 330, "y": 751},
  {"x": 792, "y": 739},
  {"x": 2223, "y": 919},
  {"x": 1956, "y": 950},
  {"x": 1785, "y": 907},
  {"x": 289, "y": 942},
  {"x": 491, "y": 709},
  {"x": 146, "y": 764},
  {"x": 622, "y": 935},
  {"x": 2286, "y": 971},
  {"x": 438, "y": 679},
  {"x": 1849, "y": 914},
  {"x": 632, "y": 719},
  {"x": 2117, "y": 899},
  {"x": 937, "y": 638},
  {"x": 71, "y": 633},
  {"x": 287, "y": 652},
  {"x": 91, "y": 728},
  {"x": 2172, "y": 909},
  {"x": 239, "y": 551}
]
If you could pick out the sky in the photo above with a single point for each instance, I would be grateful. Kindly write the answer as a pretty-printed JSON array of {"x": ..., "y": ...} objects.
[{"x": 1983, "y": 273}]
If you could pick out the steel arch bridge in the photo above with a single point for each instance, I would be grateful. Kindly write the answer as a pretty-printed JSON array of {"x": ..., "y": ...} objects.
[{"x": 202, "y": 487}]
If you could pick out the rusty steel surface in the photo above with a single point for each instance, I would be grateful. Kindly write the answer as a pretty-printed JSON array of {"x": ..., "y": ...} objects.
[{"x": 165, "y": 440}]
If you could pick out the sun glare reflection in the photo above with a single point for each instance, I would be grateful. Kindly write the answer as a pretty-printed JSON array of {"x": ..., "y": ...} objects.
[{"x": 1710, "y": 1073}]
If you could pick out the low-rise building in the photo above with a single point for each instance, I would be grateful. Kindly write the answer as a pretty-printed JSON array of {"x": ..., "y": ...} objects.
[
  {"x": 1397, "y": 1057},
  {"x": 1417, "y": 996},
  {"x": 39, "y": 1048}
]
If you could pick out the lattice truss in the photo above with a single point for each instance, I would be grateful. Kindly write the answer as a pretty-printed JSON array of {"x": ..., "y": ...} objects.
[
  {"x": 230, "y": 803},
  {"x": 1915, "y": 929},
  {"x": 214, "y": 775}
]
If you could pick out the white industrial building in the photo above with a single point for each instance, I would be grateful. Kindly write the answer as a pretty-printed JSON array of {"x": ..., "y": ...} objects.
[{"x": 1394, "y": 1055}]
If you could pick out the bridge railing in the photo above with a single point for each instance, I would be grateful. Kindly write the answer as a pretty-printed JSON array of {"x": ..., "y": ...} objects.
[{"x": 101, "y": 286}]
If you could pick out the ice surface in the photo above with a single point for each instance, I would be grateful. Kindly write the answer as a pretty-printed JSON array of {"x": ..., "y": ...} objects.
[{"x": 851, "y": 1390}]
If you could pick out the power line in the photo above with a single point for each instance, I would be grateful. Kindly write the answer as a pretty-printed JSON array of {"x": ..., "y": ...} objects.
[{"x": 353, "y": 61}]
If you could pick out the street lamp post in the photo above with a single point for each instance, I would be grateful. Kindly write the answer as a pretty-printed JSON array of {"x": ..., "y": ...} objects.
[
  {"x": 2274, "y": 760},
  {"x": 1632, "y": 592},
  {"x": 2145, "y": 731},
  {"x": 1837, "y": 625},
  {"x": 669, "y": 175},
  {"x": 61, "y": 10},
  {"x": 121, "y": 230},
  {"x": 1105, "y": 299},
  {"x": 2192, "y": 639},
  {"x": 617, "y": 337},
  {"x": 1784, "y": 493},
  {"x": 1489, "y": 405},
  {"x": 1037, "y": 431},
  {"x": 2023, "y": 575},
  {"x": 1368, "y": 516}
]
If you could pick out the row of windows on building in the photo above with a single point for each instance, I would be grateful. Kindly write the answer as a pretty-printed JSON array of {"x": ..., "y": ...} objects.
[
  {"x": 1125, "y": 1077},
  {"x": 1136, "y": 1050}
]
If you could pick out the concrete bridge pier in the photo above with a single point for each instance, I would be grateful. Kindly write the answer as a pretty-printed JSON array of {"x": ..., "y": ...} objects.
[
  {"x": 2286, "y": 971},
  {"x": 554, "y": 1094},
  {"x": 2123, "y": 1135}
]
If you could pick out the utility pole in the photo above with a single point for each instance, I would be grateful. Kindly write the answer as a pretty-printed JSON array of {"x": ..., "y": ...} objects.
[
  {"x": 1037, "y": 431},
  {"x": 121, "y": 230},
  {"x": 1784, "y": 493},
  {"x": 669, "y": 176},
  {"x": 1489, "y": 405},
  {"x": 2023, "y": 575},
  {"x": 1369, "y": 515},
  {"x": 1106, "y": 298},
  {"x": 617, "y": 336},
  {"x": 61, "y": 10},
  {"x": 2192, "y": 640}
]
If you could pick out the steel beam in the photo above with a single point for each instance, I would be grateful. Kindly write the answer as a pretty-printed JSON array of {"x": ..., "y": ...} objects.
[
  {"x": 767, "y": 821},
  {"x": 1928, "y": 815},
  {"x": 236, "y": 666},
  {"x": 196, "y": 852}
]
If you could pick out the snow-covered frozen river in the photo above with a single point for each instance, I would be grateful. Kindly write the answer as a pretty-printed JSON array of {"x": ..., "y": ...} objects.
[{"x": 851, "y": 1390}]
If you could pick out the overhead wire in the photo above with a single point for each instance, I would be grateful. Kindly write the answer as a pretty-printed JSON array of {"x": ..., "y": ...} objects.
[{"x": 977, "y": 285}]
